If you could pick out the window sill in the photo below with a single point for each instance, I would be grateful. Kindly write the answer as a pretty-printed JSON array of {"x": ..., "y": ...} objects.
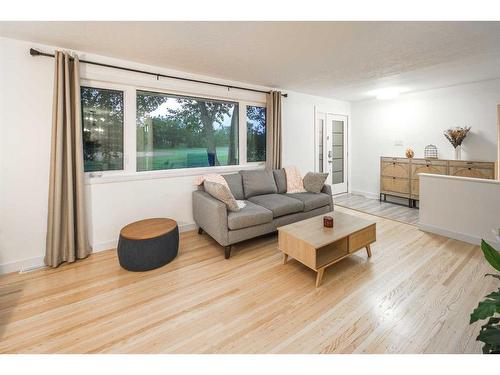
[{"x": 92, "y": 178}]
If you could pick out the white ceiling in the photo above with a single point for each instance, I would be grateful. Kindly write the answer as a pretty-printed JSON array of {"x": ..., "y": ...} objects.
[{"x": 342, "y": 60}]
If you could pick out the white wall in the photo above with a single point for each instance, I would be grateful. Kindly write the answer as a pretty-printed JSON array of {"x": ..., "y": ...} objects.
[
  {"x": 298, "y": 127},
  {"x": 25, "y": 120},
  {"x": 25, "y": 123},
  {"x": 419, "y": 119},
  {"x": 467, "y": 209}
]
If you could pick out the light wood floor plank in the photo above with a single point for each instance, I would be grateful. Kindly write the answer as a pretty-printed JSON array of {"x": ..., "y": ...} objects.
[{"x": 414, "y": 295}]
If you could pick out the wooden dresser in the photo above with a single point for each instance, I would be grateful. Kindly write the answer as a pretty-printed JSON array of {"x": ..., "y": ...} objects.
[{"x": 399, "y": 176}]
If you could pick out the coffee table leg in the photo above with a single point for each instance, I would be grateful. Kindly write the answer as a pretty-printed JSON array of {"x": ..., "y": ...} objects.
[
  {"x": 285, "y": 258},
  {"x": 319, "y": 277},
  {"x": 368, "y": 251}
]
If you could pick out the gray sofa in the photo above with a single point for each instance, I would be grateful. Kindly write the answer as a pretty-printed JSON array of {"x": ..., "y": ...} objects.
[{"x": 268, "y": 206}]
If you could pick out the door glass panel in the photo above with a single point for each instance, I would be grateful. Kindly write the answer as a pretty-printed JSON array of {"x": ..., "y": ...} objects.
[
  {"x": 338, "y": 126},
  {"x": 337, "y": 152},
  {"x": 337, "y": 177},
  {"x": 320, "y": 146},
  {"x": 338, "y": 139},
  {"x": 337, "y": 165}
]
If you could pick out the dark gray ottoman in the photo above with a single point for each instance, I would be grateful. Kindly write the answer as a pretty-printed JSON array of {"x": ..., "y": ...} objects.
[{"x": 148, "y": 244}]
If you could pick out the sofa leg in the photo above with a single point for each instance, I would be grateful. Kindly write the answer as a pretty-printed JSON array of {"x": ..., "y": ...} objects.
[
  {"x": 200, "y": 231},
  {"x": 227, "y": 251}
]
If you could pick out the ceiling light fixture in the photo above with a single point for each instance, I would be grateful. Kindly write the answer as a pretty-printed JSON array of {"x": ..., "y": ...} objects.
[{"x": 387, "y": 93}]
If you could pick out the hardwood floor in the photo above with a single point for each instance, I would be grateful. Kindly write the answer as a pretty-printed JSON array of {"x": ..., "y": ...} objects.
[
  {"x": 414, "y": 295},
  {"x": 375, "y": 207}
]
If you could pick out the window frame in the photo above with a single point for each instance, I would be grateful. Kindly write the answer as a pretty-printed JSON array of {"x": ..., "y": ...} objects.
[{"x": 129, "y": 172}]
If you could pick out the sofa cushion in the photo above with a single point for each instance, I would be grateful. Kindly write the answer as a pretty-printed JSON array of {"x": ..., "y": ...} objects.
[
  {"x": 252, "y": 214},
  {"x": 312, "y": 201},
  {"x": 280, "y": 179},
  {"x": 279, "y": 204},
  {"x": 313, "y": 182},
  {"x": 258, "y": 183},
  {"x": 235, "y": 185}
]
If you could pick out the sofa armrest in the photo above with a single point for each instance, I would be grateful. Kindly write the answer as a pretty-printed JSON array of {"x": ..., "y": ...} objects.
[
  {"x": 211, "y": 215},
  {"x": 327, "y": 189}
]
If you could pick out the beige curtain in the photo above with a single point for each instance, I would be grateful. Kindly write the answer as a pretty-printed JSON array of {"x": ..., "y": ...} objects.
[
  {"x": 273, "y": 141},
  {"x": 66, "y": 226}
]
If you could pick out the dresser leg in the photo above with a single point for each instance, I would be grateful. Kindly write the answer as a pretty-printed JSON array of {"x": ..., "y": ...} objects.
[
  {"x": 319, "y": 277},
  {"x": 368, "y": 251},
  {"x": 285, "y": 258}
]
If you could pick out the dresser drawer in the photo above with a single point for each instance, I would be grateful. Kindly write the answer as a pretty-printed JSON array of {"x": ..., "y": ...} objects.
[
  {"x": 472, "y": 164},
  {"x": 395, "y": 185},
  {"x": 433, "y": 162},
  {"x": 472, "y": 172},
  {"x": 427, "y": 168},
  {"x": 395, "y": 169},
  {"x": 395, "y": 160}
]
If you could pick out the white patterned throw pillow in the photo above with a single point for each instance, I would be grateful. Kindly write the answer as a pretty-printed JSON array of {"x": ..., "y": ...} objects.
[
  {"x": 222, "y": 193},
  {"x": 294, "y": 182},
  {"x": 213, "y": 177}
]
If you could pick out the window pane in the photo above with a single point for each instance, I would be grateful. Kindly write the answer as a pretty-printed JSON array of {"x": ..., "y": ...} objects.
[
  {"x": 102, "y": 119},
  {"x": 185, "y": 132},
  {"x": 256, "y": 133}
]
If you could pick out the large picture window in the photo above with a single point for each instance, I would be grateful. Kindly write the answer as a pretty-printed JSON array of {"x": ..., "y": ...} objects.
[
  {"x": 185, "y": 132},
  {"x": 129, "y": 130},
  {"x": 102, "y": 120},
  {"x": 256, "y": 133}
]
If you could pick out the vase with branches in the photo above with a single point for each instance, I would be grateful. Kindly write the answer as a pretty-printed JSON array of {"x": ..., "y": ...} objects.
[{"x": 456, "y": 136}]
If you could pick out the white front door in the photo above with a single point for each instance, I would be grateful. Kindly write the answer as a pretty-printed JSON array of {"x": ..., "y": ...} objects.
[{"x": 331, "y": 149}]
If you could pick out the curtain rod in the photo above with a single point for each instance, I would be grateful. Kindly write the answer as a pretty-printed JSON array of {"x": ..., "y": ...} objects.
[{"x": 34, "y": 52}]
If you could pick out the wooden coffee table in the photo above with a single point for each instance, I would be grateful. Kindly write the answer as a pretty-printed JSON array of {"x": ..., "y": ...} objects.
[{"x": 317, "y": 247}]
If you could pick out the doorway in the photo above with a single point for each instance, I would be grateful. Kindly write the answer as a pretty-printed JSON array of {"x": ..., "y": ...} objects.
[{"x": 331, "y": 148}]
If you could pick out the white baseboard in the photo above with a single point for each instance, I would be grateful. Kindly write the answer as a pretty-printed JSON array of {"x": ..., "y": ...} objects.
[
  {"x": 450, "y": 234},
  {"x": 101, "y": 246},
  {"x": 366, "y": 194},
  {"x": 29, "y": 264},
  {"x": 187, "y": 227},
  {"x": 22, "y": 265}
]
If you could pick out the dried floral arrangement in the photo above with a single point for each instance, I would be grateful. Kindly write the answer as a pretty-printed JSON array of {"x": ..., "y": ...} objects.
[
  {"x": 456, "y": 135},
  {"x": 410, "y": 153}
]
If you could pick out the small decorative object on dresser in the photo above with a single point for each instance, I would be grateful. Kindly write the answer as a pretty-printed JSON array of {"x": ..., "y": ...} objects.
[
  {"x": 456, "y": 136},
  {"x": 410, "y": 153},
  {"x": 430, "y": 152}
]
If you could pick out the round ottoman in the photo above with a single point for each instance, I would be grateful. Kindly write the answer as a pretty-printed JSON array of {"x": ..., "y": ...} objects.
[{"x": 148, "y": 244}]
